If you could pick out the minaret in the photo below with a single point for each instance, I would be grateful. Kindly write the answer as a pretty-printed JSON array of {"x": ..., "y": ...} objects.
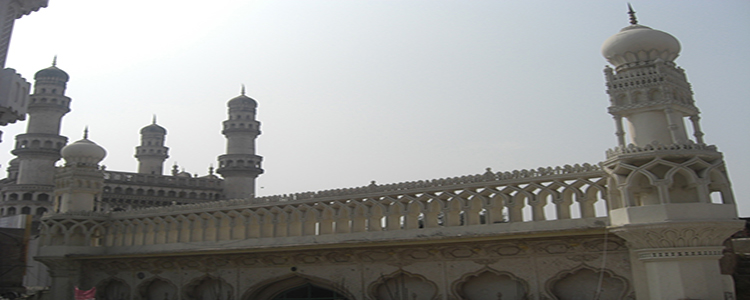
[
  {"x": 240, "y": 166},
  {"x": 152, "y": 153},
  {"x": 39, "y": 148},
  {"x": 78, "y": 184},
  {"x": 661, "y": 184}
]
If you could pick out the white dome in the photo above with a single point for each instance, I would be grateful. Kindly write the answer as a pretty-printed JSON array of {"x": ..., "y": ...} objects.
[
  {"x": 638, "y": 43},
  {"x": 83, "y": 151}
]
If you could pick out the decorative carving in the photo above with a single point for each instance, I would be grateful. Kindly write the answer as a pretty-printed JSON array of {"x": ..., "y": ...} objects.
[
  {"x": 583, "y": 257},
  {"x": 672, "y": 235},
  {"x": 275, "y": 260},
  {"x": 654, "y": 147},
  {"x": 373, "y": 256},
  {"x": 485, "y": 199},
  {"x": 417, "y": 254},
  {"x": 555, "y": 248},
  {"x": 487, "y": 261},
  {"x": 339, "y": 257},
  {"x": 599, "y": 245},
  {"x": 507, "y": 249},
  {"x": 460, "y": 252}
]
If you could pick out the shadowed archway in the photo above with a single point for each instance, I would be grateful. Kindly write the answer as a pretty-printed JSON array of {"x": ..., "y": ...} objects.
[
  {"x": 309, "y": 292},
  {"x": 297, "y": 287}
]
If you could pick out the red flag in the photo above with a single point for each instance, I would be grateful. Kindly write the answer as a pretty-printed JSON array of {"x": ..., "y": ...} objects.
[{"x": 86, "y": 295}]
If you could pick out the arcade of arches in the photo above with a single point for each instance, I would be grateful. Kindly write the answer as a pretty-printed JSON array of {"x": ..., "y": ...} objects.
[{"x": 523, "y": 269}]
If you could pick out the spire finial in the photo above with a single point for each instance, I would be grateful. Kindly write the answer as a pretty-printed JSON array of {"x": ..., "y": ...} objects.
[
  {"x": 86, "y": 133},
  {"x": 631, "y": 12},
  {"x": 154, "y": 120},
  {"x": 54, "y": 61},
  {"x": 243, "y": 90}
]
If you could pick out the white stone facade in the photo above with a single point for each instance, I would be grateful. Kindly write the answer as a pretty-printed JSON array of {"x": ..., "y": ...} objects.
[{"x": 647, "y": 223}]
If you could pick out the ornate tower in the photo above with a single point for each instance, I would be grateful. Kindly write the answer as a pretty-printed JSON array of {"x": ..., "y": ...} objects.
[
  {"x": 38, "y": 149},
  {"x": 669, "y": 196},
  {"x": 152, "y": 152},
  {"x": 78, "y": 184},
  {"x": 240, "y": 166}
]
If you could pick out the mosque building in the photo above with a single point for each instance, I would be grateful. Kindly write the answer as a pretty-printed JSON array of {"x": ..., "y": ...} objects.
[{"x": 526, "y": 234}]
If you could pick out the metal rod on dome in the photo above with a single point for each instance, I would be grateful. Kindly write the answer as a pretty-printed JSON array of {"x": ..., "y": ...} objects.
[{"x": 631, "y": 12}]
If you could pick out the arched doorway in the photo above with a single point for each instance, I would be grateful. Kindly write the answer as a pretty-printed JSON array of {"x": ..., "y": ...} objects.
[{"x": 309, "y": 292}]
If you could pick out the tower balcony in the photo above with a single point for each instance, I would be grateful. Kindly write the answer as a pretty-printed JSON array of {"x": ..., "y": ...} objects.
[
  {"x": 42, "y": 103},
  {"x": 39, "y": 143},
  {"x": 237, "y": 164},
  {"x": 151, "y": 151},
  {"x": 241, "y": 125}
]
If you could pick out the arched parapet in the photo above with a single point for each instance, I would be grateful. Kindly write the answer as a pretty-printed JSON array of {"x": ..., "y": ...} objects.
[
  {"x": 268, "y": 289},
  {"x": 587, "y": 283},
  {"x": 403, "y": 285},
  {"x": 488, "y": 283},
  {"x": 666, "y": 180}
]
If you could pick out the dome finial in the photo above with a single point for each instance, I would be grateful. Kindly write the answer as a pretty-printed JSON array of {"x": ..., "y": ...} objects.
[
  {"x": 631, "y": 12},
  {"x": 54, "y": 61},
  {"x": 243, "y": 90},
  {"x": 86, "y": 132},
  {"x": 153, "y": 121}
]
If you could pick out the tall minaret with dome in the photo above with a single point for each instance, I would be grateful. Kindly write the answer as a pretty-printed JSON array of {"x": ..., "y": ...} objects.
[
  {"x": 38, "y": 149},
  {"x": 240, "y": 166},
  {"x": 152, "y": 153},
  {"x": 669, "y": 195}
]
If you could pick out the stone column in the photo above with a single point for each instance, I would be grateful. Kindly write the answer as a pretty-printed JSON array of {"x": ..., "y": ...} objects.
[
  {"x": 65, "y": 276},
  {"x": 679, "y": 260}
]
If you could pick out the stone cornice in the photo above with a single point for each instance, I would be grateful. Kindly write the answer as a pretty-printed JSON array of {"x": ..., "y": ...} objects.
[
  {"x": 650, "y": 150},
  {"x": 682, "y": 253},
  {"x": 678, "y": 234}
]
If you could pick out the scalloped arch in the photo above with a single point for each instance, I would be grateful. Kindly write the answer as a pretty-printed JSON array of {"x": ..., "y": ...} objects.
[
  {"x": 586, "y": 281},
  {"x": 408, "y": 279},
  {"x": 514, "y": 287},
  {"x": 268, "y": 289}
]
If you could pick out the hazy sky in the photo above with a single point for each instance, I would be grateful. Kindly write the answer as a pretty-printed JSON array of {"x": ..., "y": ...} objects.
[{"x": 355, "y": 91}]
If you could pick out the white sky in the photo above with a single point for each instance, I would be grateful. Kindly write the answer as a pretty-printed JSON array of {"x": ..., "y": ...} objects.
[{"x": 354, "y": 91}]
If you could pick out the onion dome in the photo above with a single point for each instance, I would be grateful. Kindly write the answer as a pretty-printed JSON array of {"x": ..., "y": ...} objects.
[
  {"x": 638, "y": 44},
  {"x": 153, "y": 128},
  {"x": 242, "y": 100},
  {"x": 52, "y": 71},
  {"x": 83, "y": 152}
]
